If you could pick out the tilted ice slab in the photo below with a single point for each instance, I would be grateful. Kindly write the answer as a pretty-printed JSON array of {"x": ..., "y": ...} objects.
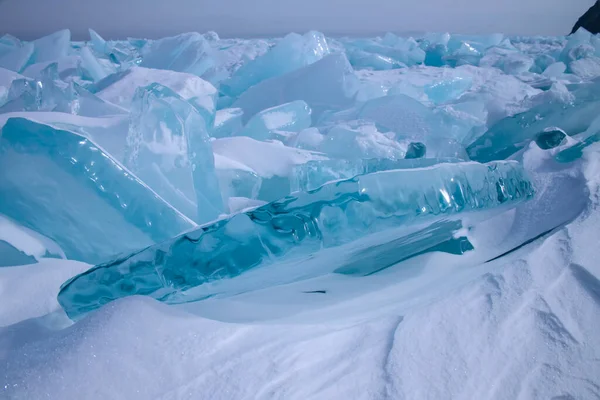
[
  {"x": 328, "y": 84},
  {"x": 292, "y": 52},
  {"x": 168, "y": 147},
  {"x": 61, "y": 185},
  {"x": 420, "y": 201},
  {"x": 513, "y": 133}
]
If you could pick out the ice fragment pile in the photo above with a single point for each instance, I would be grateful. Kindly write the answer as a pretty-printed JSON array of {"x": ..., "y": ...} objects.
[{"x": 182, "y": 166}]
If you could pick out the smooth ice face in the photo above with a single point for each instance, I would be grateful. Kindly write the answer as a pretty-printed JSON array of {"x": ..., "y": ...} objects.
[
  {"x": 18, "y": 58},
  {"x": 513, "y": 133},
  {"x": 188, "y": 52},
  {"x": 292, "y": 52},
  {"x": 63, "y": 186},
  {"x": 289, "y": 117},
  {"x": 91, "y": 65},
  {"x": 328, "y": 84},
  {"x": 168, "y": 147},
  {"x": 52, "y": 47},
  {"x": 315, "y": 174},
  {"x": 334, "y": 214}
]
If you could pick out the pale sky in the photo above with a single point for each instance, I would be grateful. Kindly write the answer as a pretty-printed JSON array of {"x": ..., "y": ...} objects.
[{"x": 29, "y": 19}]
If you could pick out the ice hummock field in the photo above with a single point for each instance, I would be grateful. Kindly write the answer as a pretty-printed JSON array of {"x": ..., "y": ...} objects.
[{"x": 300, "y": 218}]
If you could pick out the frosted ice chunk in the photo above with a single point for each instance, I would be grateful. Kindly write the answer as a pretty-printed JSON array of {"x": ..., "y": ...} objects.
[
  {"x": 586, "y": 68},
  {"x": 228, "y": 121},
  {"x": 299, "y": 225},
  {"x": 402, "y": 115},
  {"x": 52, "y": 47},
  {"x": 555, "y": 70},
  {"x": 17, "y": 58},
  {"x": 362, "y": 141},
  {"x": 415, "y": 150},
  {"x": 328, "y": 84},
  {"x": 292, "y": 52},
  {"x": 448, "y": 90},
  {"x": 510, "y": 61},
  {"x": 97, "y": 42},
  {"x": 290, "y": 117},
  {"x": 188, "y": 52},
  {"x": 120, "y": 88},
  {"x": 63, "y": 186},
  {"x": 168, "y": 147}
]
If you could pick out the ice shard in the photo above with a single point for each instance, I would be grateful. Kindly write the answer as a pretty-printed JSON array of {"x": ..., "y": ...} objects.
[
  {"x": 405, "y": 201},
  {"x": 315, "y": 174},
  {"x": 361, "y": 59},
  {"x": 52, "y": 47},
  {"x": 47, "y": 93},
  {"x": 188, "y": 52},
  {"x": 289, "y": 117},
  {"x": 292, "y": 52},
  {"x": 91, "y": 65},
  {"x": 168, "y": 147},
  {"x": 513, "y": 133},
  {"x": 18, "y": 58},
  {"x": 328, "y": 84},
  {"x": 63, "y": 186}
]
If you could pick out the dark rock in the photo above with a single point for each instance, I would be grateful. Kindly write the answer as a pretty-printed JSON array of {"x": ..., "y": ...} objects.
[{"x": 590, "y": 20}]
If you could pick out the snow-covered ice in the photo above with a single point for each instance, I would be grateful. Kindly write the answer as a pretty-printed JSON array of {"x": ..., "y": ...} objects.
[{"x": 304, "y": 217}]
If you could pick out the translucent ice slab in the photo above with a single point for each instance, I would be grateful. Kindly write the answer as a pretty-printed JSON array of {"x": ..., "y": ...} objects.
[
  {"x": 168, "y": 147},
  {"x": 292, "y": 52},
  {"x": 289, "y": 117},
  {"x": 63, "y": 186},
  {"x": 299, "y": 225},
  {"x": 513, "y": 133},
  {"x": 188, "y": 52},
  {"x": 328, "y": 84}
]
